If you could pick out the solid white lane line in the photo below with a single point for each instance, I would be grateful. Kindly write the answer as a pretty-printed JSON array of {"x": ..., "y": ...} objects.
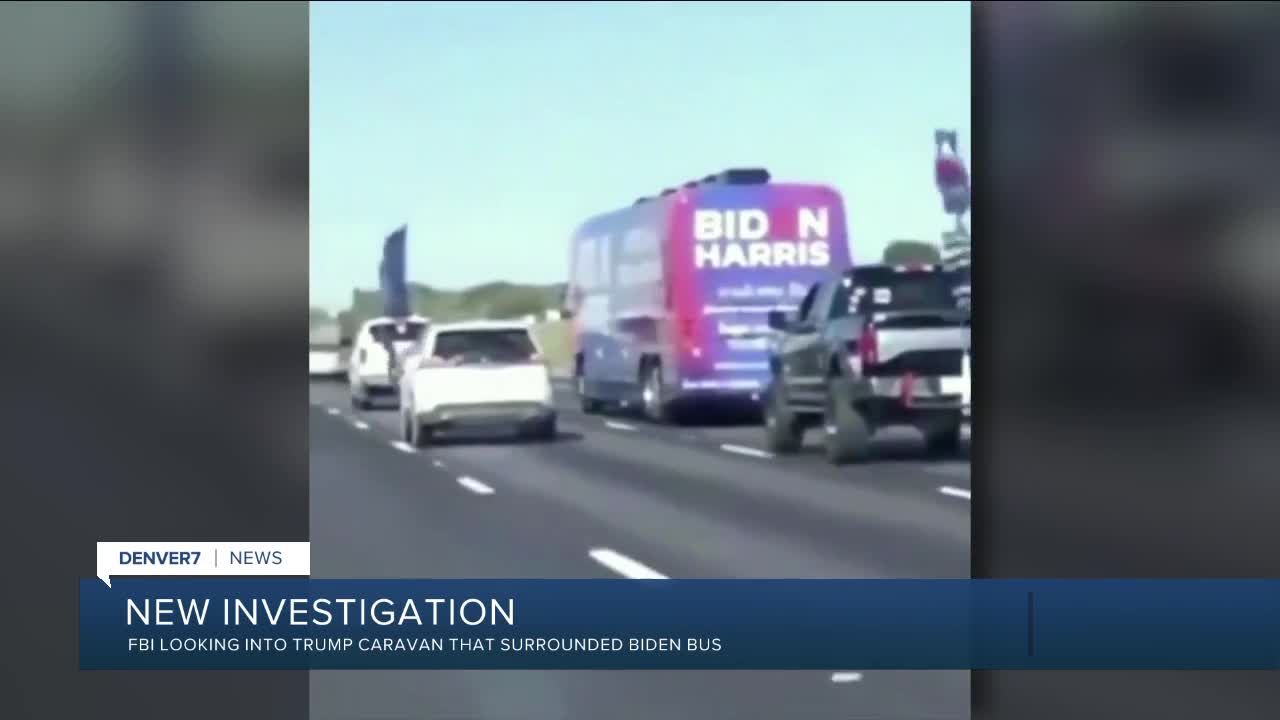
[
  {"x": 619, "y": 425},
  {"x": 475, "y": 486},
  {"x": 403, "y": 446},
  {"x": 625, "y": 566},
  {"x": 954, "y": 492},
  {"x": 360, "y": 424},
  {"x": 333, "y": 411},
  {"x": 748, "y": 451},
  {"x": 846, "y": 677}
]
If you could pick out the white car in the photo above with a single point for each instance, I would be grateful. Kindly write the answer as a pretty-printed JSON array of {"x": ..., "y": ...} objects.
[
  {"x": 328, "y": 352},
  {"x": 379, "y": 345},
  {"x": 326, "y": 362},
  {"x": 481, "y": 373}
]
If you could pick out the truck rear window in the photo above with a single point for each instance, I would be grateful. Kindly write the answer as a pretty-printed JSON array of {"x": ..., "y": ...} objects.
[
  {"x": 388, "y": 332},
  {"x": 889, "y": 290},
  {"x": 484, "y": 346}
]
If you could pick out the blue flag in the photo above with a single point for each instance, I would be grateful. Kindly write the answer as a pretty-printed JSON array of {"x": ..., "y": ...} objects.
[{"x": 391, "y": 273}]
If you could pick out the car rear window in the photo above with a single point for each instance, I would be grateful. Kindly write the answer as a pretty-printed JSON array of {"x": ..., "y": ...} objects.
[
  {"x": 484, "y": 346},
  {"x": 388, "y": 332},
  {"x": 881, "y": 290}
]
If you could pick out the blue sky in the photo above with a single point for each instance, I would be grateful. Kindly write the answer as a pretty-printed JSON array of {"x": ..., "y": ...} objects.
[{"x": 494, "y": 129}]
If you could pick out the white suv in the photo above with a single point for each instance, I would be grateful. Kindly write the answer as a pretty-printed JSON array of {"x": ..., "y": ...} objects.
[
  {"x": 477, "y": 374},
  {"x": 379, "y": 346}
]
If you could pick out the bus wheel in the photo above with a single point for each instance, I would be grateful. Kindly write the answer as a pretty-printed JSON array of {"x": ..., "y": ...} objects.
[
  {"x": 589, "y": 404},
  {"x": 656, "y": 407}
]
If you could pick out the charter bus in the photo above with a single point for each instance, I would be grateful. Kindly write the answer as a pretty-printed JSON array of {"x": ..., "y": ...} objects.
[{"x": 670, "y": 296}]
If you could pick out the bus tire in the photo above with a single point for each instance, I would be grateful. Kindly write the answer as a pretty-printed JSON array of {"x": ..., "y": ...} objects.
[
  {"x": 590, "y": 405},
  {"x": 656, "y": 407}
]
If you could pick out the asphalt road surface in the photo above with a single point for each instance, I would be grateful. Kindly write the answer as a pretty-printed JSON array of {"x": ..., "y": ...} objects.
[{"x": 616, "y": 496}]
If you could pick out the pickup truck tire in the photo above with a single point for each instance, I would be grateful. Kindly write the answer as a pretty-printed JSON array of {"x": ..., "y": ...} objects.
[
  {"x": 846, "y": 433},
  {"x": 783, "y": 434},
  {"x": 942, "y": 442}
]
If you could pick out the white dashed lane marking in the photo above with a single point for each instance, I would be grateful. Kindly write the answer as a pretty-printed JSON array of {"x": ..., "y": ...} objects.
[
  {"x": 360, "y": 424},
  {"x": 333, "y": 411},
  {"x": 619, "y": 425},
  {"x": 954, "y": 492},
  {"x": 846, "y": 677},
  {"x": 748, "y": 451},
  {"x": 403, "y": 446},
  {"x": 625, "y": 566},
  {"x": 475, "y": 486},
  {"x": 437, "y": 463}
]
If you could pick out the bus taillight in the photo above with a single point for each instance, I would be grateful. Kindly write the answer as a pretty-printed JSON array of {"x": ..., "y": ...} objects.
[{"x": 689, "y": 335}]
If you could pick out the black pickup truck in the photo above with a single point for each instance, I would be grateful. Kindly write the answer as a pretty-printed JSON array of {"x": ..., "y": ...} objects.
[{"x": 875, "y": 346}]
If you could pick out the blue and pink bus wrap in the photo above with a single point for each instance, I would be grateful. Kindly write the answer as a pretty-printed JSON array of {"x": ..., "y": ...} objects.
[{"x": 687, "y": 280}]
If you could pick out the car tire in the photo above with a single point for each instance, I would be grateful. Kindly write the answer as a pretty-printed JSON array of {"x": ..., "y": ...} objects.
[
  {"x": 359, "y": 400},
  {"x": 590, "y": 405},
  {"x": 943, "y": 442},
  {"x": 783, "y": 433},
  {"x": 419, "y": 435},
  {"x": 405, "y": 433},
  {"x": 544, "y": 430},
  {"x": 847, "y": 434}
]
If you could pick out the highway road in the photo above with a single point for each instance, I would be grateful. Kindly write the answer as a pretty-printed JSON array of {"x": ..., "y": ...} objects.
[{"x": 616, "y": 496}]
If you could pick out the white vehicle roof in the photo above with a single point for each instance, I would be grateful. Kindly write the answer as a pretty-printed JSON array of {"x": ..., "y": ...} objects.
[
  {"x": 384, "y": 320},
  {"x": 480, "y": 325}
]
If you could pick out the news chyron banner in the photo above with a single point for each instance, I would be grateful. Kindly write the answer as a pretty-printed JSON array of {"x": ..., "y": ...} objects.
[{"x": 252, "y": 606}]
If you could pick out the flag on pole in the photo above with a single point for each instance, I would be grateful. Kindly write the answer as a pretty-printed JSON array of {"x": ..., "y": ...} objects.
[{"x": 395, "y": 287}]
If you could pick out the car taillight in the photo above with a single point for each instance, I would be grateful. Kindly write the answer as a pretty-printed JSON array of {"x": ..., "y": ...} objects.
[{"x": 869, "y": 346}]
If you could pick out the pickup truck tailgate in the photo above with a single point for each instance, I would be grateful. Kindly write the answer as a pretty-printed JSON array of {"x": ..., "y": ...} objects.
[{"x": 924, "y": 343}]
